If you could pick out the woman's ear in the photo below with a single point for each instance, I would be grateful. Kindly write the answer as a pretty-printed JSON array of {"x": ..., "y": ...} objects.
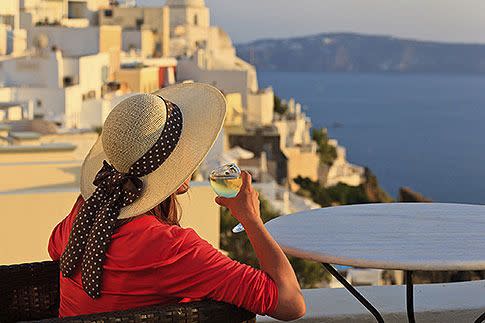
[{"x": 184, "y": 187}]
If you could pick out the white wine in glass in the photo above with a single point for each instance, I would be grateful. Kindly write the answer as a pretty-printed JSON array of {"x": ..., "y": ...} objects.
[{"x": 226, "y": 181}]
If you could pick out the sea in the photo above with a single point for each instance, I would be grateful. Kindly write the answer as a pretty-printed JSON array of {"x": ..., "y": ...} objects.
[{"x": 426, "y": 132}]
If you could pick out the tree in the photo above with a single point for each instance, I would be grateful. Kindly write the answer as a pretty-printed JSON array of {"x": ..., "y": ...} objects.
[
  {"x": 327, "y": 152},
  {"x": 279, "y": 107},
  {"x": 238, "y": 247}
]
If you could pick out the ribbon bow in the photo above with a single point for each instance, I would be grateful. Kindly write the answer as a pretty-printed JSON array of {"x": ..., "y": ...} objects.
[
  {"x": 95, "y": 223},
  {"x": 110, "y": 180}
]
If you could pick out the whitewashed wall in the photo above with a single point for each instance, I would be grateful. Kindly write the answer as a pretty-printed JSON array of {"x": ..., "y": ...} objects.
[
  {"x": 11, "y": 8},
  {"x": 44, "y": 71},
  {"x": 260, "y": 107},
  {"x": 72, "y": 41},
  {"x": 91, "y": 72},
  {"x": 51, "y": 100},
  {"x": 226, "y": 80},
  {"x": 94, "y": 113}
]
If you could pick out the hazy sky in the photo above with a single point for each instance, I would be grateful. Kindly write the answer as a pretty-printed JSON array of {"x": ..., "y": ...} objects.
[{"x": 443, "y": 20}]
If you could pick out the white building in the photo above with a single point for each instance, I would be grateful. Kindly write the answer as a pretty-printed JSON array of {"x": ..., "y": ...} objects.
[
  {"x": 79, "y": 13},
  {"x": 206, "y": 54},
  {"x": 57, "y": 86},
  {"x": 127, "y": 3},
  {"x": 283, "y": 200},
  {"x": 260, "y": 108},
  {"x": 342, "y": 171},
  {"x": 189, "y": 26},
  {"x": 294, "y": 127},
  {"x": 12, "y": 38},
  {"x": 65, "y": 71},
  {"x": 296, "y": 143},
  {"x": 76, "y": 41},
  {"x": 71, "y": 70},
  {"x": 166, "y": 66},
  {"x": 145, "y": 29}
]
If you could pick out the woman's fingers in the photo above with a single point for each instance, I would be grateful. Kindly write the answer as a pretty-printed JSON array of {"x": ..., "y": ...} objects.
[
  {"x": 222, "y": 201},
  {"x": 246, "y": 180}
]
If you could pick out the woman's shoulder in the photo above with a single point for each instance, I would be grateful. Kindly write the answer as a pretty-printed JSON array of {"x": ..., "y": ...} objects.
[
  {"x": 151, "y": 227},
  {"x": 145, "y": 239}
]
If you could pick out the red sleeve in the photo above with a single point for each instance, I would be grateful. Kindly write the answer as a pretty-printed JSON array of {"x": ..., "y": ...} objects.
[
  {"x": 198, "y": 270},
  {"x": 60, "y": 234}
]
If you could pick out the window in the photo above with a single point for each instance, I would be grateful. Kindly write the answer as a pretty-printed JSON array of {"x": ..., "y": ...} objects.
[
  {"x": 76, "y": 10},
  {"x": 196, "y": 20},
  {"x": 108, "y": 13},
  {"x": 89, "y": 95},
  {"x": 139, "y": 23},
  {"x": 7, "y": 20},
  {"x": 68, "y": 81}
]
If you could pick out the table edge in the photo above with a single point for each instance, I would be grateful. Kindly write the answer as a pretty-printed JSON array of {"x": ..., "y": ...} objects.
[{"x": 375, "y": 264}]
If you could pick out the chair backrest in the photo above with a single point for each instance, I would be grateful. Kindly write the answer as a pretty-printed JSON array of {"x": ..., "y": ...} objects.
[
  {"x": 31, "y": 292},
  {"x": 203, "y": 311}
]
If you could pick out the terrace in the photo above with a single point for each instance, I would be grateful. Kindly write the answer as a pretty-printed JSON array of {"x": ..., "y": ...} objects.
[
  {"x": 435, "y": 303},
  {"x": 47, "y": 184},
  {"x": 451, "y": 302}
]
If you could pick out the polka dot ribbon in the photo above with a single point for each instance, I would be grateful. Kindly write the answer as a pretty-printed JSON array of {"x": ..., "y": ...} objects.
[{"x": 95, "y": 223}]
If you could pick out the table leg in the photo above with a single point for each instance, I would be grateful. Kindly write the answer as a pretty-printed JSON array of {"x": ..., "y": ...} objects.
[
  {"x": 354, "y": 292},
  {"x": 410, "y": 296},
  {"x": 481, "y": 318}
]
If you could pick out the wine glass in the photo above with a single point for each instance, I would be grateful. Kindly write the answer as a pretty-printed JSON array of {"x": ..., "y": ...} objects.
[{"x": 226, "y": 181}]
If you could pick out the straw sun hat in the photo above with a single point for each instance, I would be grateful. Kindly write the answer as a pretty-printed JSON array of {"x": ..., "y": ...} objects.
[
  {"x": 135, "y": 125},
  {"x": 150, "y": 144}
]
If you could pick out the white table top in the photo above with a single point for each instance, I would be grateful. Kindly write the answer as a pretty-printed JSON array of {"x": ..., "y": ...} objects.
[{"x": 407, "y": 236}]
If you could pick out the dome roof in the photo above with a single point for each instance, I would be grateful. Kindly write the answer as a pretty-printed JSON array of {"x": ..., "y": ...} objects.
[
  {"x": 185, "y": 3},
  {"x": 225, "y": 40}
]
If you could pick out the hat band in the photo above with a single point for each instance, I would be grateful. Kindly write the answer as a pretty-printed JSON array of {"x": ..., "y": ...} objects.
[{"x": 96, "y": 221}]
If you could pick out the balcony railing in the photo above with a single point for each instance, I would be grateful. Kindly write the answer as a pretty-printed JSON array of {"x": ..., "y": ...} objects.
[{"x": 434, "y": 303}]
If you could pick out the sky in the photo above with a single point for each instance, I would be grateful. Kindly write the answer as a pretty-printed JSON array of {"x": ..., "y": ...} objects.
[{"x": 439, "y": 20}]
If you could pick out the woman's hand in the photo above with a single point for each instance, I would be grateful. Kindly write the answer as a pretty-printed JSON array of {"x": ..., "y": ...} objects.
[{"x": 245, "y": 206}]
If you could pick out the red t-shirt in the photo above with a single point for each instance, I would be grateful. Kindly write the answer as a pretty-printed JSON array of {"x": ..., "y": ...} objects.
[{"x": 151, "y": 263}]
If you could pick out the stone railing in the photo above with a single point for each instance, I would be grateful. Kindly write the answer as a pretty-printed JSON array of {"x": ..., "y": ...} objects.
[{"x": 434, "y": 303}]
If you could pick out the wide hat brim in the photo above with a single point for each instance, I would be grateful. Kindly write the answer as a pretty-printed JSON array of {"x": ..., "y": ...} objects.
[{"x": 203, "y": 108}]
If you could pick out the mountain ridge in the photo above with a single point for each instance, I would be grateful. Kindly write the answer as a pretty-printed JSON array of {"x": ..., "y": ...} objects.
[
  {"x": 350, "y": 33},
  {"x": 354, "y": 52}
]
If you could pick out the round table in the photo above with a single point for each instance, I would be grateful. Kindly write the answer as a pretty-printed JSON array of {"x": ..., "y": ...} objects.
[{"x": 402, "y": 236}]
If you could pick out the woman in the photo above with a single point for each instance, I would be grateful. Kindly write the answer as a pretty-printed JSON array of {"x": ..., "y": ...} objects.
[{"x": 122, "y": 247}]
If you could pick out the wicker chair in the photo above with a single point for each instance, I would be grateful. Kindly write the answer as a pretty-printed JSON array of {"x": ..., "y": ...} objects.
[{"x": 31, "y": 292}]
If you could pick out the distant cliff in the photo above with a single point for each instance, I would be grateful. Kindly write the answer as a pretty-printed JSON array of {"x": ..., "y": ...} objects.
[
  {"x": 344, "y": 52},
  {"x": 408, "y": 195}
]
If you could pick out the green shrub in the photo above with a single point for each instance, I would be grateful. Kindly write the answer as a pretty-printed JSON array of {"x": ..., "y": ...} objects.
[
  {"x": 327, "y": 152},
  {"x": 342, "y": 194}
]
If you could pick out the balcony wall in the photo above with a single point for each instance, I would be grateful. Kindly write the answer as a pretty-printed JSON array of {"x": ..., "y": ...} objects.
[
  {"x": 435, "y": 303},
  {"x": 27, "y": 219}
]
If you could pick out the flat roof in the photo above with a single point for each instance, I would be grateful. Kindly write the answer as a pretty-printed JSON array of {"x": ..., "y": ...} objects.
[
  {"x": 51, "y": 147},
  {"x": 24, "y": 135},
  {"x": 12, "y": 104}
]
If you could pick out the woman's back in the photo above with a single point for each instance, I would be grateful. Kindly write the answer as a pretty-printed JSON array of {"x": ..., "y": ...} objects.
[
  {"x": 150, "y": 262},
  {"x": 150, "y": 146}
]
